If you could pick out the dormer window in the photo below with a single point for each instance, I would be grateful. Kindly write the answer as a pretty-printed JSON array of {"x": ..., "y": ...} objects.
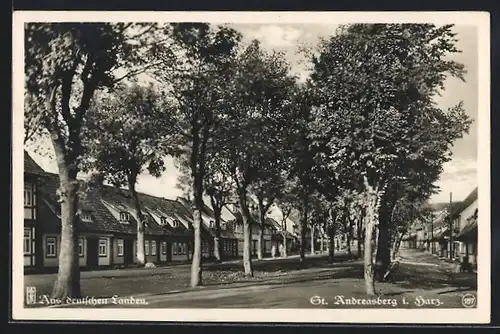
[
  {"x": 124, "y": 217},
  {"x": 163, "y": 220},
  {"x": 176, "y": 223},
  {"x": 85, "y": 216}
]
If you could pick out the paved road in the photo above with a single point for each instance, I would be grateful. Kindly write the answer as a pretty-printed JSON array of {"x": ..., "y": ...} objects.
[{"x": 339, "y": 286}]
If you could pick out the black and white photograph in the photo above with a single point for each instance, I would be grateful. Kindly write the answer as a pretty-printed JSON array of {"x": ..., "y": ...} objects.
[{"x": 267, "y": 167}]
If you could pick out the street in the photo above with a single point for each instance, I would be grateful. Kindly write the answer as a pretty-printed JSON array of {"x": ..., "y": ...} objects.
[{"x": 421, "y": 281}]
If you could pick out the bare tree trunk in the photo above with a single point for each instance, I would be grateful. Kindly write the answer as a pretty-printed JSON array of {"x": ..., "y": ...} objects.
[
  {"x": 312, "y": 240},
  {"x": 348, "y": 241},
  {"x": 360, "y": 235},
  {"x": 285, "y": 250},
  {"x": 217, "y": 244},
  {"x": 196, "y": 273},
  {"x": 321, "y": 242},
  {"x": 395, "y": 246},
  {"x": 217, "y": 247},
  {"x": 370, "y": 237},
  {"x": 260, "y": 242},
  {"x": 368, "y": 261},
  {"x": 67, "y": 284},
  {"x": 141, "y": 247},
  {"x": 303, "y": 225},
  {"x": 285, "y": 245},
  {"x": 247, "y": 233},
  {"x": 331, "y": 247}
]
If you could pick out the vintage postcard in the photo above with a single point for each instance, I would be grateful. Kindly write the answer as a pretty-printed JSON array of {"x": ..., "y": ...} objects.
[{"x": 279, "y": 167}]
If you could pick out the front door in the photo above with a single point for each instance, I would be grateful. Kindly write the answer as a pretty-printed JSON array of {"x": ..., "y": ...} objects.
[
  {"x": 128, "y": 251},
  {"x": 92, "y": 252}
]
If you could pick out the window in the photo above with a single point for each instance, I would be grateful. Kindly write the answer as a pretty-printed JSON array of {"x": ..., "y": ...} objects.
[
  {"x": 153, "y": 247},
  {"x": 51, "y": 250},
  {"x": 223, "y": 226},
  {"x": 27, "y": 241},
  {"x": 163, "y": 220},
  {"x": 175, "y": 223},
  {"x": 212, "y": 224},
  {"x": 81, "y": 247},
  {"x": 124, "y": 216},
  {"x": 28, "y": 195},
  {"x": 174, "y": 248},
  {"x": 164, "y": 247},
  {"x": 85, "y": 216},
  {"x": 181, "y": 248},
  {"x": 103, "y": 247},
  {"x": 120, "y": 247},
  {"x": 146, "y": 246}
]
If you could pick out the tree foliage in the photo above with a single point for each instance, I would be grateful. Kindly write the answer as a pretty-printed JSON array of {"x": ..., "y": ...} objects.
[
  {"x": 65, "y": 64},
  {"x": 375, "y": 122}
]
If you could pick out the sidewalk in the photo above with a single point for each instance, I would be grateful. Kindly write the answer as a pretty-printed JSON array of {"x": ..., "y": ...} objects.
[{"x": 449, "y": 269}]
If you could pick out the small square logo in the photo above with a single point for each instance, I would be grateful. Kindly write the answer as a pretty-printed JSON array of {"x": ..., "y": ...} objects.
[{"x": 31, "y": 295}]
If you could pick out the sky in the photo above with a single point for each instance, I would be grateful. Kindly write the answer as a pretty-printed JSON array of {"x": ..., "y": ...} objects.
[{"x": 460, "y": 174}]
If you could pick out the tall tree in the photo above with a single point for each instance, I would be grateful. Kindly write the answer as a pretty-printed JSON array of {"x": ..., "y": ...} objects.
[
  {"x": 376, "y": 85},
  {"x": 65, "y": 64},
  {"x": 130, "y": 131},
  {"x": 219, "y": 187},
  {"x": 297, "y": 155},
  {"x": 265, "y": 190},
  {"x": 286, "y": 203},
  {"x": 261, "y": 95},
  {"x": 199, "y": 86}
]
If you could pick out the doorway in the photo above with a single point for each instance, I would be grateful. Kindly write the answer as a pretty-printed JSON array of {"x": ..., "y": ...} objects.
[{"x": 128, "y": 251}]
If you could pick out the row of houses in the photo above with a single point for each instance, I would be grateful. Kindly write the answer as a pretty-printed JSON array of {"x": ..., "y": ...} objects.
[
  {"x": 441, "y": 238},
  {"x": 108, "y": 225}
]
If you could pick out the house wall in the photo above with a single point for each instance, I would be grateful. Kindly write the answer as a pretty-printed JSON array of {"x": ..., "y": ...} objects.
[
  {"x": 180, "y": 251},
  {"x": 466, "y": 213},
  {"x": 51, "y": 260},
  {"x": 240, "y": 247},
  {"x": 472, "y": 245},
  {"x": 117, "y": 259},
  {"x": 105, "y": 260},
  {"x": 82, "y": 259},
  {"x": 29, "y": 240},
  {"x": 229, "y": 247},
  {"x": 163, "y": 250}
]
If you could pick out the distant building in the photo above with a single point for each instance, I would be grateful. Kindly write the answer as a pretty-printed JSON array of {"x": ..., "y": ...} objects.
[{"x": 434, "y": 236}]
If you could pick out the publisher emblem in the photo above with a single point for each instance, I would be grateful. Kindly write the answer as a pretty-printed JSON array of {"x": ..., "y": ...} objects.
[
  {"x": 31, "y": 295},
  {"x": 469, "y": 300}
]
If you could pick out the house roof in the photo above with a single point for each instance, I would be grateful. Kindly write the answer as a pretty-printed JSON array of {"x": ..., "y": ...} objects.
[
  {"x": 470, "y": 228},
  {"x": 442, "y": 206},
  {"x": 30, "y": 166},
  {"x": 103, "y": 220},
  {"x": 186, "y": 204},
  {"x": 121, "y": 197},
  {"x": 465, "y": 203},
  {"x": 440, "y": 235},
  {"x": 95, "y": 202}
]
